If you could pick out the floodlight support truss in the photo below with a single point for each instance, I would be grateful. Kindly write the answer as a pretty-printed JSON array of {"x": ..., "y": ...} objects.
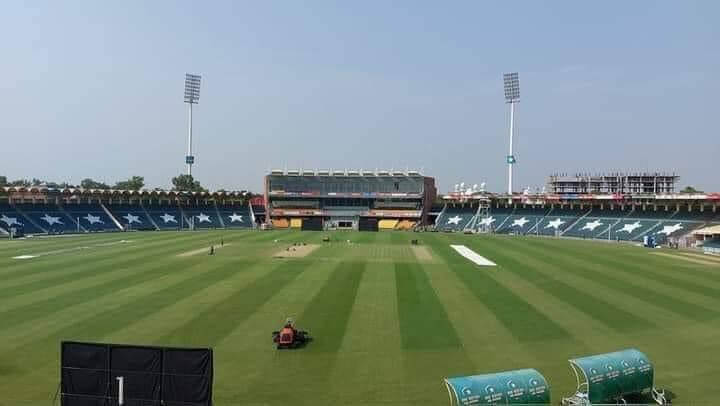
[
  {"x": 511, "y": 86},
  {"x": 189, "y": 158},
  {"x": 511, "y": 157},
  {"x": 192, "y": 96}
]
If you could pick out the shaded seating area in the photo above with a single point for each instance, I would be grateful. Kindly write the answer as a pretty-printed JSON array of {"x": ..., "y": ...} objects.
[
  {"x": 455, "y": 218},
  {"x": 621, "y": 377},
  {"x": 518, "y": 387},
  {"x": 131, "y": 217},
  {"x": 637, "y": 224},
  {"x": 558, "y": 220},
  {"x": 711, "y": 246},
  {"x": 11, "y": 218},
  {"x": 49, "y": 217},
  {"x": 235, "y": 216},
  {"x": 495, "y": 219},
  {"x": 596, "y": 224},
  {"x": 92, "y": 217},
  {"x": 202, "y": 216},
  {"x": 681, "y": 223},
  {"x": 522, "y": 220}
]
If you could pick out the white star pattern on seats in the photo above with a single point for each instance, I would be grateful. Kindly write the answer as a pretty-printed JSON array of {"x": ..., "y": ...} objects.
[
  {"x": 520, "y": 222},
  {"x": 235, "y": 217},
  {"x": 203, "y": 217},
  {"x": 487, "y": 221},
  {"x": 629, "y": 227},
  {"x": 132, "y": 219},
  {"x": 9, "y": 220},
  {"x": 555, "y": 224},
  {"x": 454, "y": 220},
  {"x": 592, "y": 225},
  {"x": 667, "y": 230},
  {"x": 167, "y": 218},
  {"x": 93, "y": 219},
  {"x": 51, "y": 220}
]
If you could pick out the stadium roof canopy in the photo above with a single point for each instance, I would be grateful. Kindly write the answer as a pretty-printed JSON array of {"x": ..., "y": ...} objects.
[
  {"x": 607, "y": 378},
  {"x": 708, "y": 231},
  {"x": 520, "y": 387},
  {"x": 344, "y": 172},
  {"x": 118, "y": 192}
]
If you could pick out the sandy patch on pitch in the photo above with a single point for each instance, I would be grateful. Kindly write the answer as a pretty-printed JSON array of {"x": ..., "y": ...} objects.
[
  {"x": 200, "y": 251},
  {"x": 297, "y": 251},
  {"x": 686, "y": 258},
  {"x": 422, "y": 253}
]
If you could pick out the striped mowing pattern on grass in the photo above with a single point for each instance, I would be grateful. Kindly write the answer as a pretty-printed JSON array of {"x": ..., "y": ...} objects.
[
  {"x": 388, "y": 326},
  {"x": 424, "y": 323}
]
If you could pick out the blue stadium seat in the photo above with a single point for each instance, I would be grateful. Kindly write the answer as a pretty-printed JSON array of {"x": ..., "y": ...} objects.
[
  {"x": 9, "y": 217},
  {"x": 166, "y": 216},
  {"x": 596, "y": 224},
  {"x": 49, "y": 217},
  {"x": 495, "y": 219},
  {"x": 523, "y": 220},
  {"x": 92, "y": 217},
  {"x": 202, "y": 216},
  {"x": 455, "y": 218},
  {"x": 131, "y": 216},
  {"x": 558, "y": 220},
  {"x": 236, "y": 216}
]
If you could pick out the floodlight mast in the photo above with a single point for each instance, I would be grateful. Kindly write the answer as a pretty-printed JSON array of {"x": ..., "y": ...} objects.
[
  {"x": 512, "y": 96},
  {"x": 192, "y": 96}
]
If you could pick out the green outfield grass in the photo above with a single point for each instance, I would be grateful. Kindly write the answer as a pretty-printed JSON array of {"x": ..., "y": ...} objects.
[{"x": 389, "y": 323}]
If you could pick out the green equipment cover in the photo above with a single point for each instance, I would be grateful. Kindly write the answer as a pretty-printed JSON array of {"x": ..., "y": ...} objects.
[
  {"x": 521, "y": 387},
  {"x": 614, "y": 375}
]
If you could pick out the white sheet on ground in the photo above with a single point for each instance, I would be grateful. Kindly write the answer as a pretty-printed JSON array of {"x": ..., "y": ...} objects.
[{"x": 472, "y": 255}]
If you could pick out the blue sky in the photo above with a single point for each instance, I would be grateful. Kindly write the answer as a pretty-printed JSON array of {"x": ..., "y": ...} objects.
[{"x": 94, "y": 89}]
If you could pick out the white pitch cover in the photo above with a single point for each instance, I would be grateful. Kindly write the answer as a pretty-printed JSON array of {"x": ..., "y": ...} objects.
[{"x": 472, "y": 255}]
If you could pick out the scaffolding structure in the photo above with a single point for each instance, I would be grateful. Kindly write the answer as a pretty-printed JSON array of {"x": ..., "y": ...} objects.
[{"x": 613, "y": 183}]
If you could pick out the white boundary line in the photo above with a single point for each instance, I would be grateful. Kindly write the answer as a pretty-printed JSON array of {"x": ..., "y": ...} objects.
[
  {"x": 64, "y": 250},
  {"x": 472, "y": 255}
]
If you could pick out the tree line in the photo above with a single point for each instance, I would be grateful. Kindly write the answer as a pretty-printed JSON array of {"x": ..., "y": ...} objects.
[{"x": 181, "y": 183}]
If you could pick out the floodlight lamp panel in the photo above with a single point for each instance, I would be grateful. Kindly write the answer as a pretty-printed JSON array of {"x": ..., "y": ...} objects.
[
  {"x": 192, "y": 88},
  {"x": 511, "y": 86}
]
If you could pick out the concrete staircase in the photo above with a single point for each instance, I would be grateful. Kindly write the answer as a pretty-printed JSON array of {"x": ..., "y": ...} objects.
[{"x": 109, "y": 214}]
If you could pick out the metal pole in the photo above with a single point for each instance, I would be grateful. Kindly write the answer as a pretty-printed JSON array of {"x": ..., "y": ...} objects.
[
  {"x": 121, "y": 392},
  {"x": 510, "y": 164},
  {"x": 189, "y": 152}
]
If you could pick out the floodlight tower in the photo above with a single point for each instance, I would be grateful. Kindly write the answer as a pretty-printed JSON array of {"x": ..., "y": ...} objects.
[
  {"x": 512, "y": 96},
  {"x": 192, "y": 96}
]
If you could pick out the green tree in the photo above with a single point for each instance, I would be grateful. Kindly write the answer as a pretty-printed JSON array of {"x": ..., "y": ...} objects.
[
  {"x": 690, "y": 189},
  {"x": 88, "y": 183},
  {"x": 3, "y": 181},
  {"x": 186, "y": 183},
  {"x": 20, "y": 182},
  {"x": 134, "y": 183}
]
